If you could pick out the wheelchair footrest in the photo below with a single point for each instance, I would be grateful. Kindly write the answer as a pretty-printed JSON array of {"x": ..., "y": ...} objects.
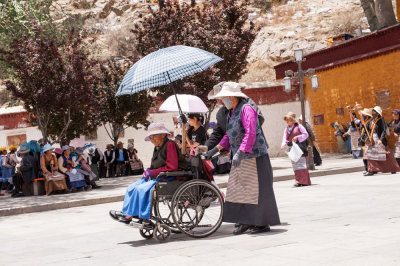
[{"x": 137, "y": 225}]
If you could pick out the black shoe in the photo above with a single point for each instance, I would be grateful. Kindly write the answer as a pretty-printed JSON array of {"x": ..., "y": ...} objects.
[
  {"x": 259, "y": 229},
  {"x": 115, "y": 214},
  {"x": 17, "y": 195},
  {"x": 94, "y": 186},
  {"x": 241, "y": 229},
  {"x": 369, "y": 174},
  {"x": 297, "y": 185},
  {"x": 237, "y": 225}
]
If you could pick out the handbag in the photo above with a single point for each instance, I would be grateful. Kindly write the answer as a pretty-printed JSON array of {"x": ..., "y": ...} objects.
[{"x": 295, "y": 152}]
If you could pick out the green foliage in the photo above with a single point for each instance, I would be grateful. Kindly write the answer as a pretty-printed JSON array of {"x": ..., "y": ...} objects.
[{"x": 118, "y": 113}]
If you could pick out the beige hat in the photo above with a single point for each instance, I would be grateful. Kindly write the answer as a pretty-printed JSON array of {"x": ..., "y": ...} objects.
[
  {"x": 367, "y": 112},
  {"x": 230, "y": 89},
  {"x": 378, "y": 109},
  {"x": 216, "y": 89},
  {"x": 155, "y": 129},
  {"x": 290, "y": 116}
]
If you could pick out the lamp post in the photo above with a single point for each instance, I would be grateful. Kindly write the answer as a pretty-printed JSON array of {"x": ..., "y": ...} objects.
[{"x": 300, "y": 74}]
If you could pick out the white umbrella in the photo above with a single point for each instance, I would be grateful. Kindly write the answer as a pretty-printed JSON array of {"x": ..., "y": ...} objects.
[{"x": 188, "y": 103}]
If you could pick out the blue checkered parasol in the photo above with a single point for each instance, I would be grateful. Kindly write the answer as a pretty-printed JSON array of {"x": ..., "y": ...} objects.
[{"x": 165, "y": 66}]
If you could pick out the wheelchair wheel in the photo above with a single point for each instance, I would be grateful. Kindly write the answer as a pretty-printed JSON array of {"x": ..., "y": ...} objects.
[
  {"x": 147, "y": 231},
  {"x": 162, "y": 210},
  {"x": 162, "y": 232},
  {"x": 197, "y": 208}
]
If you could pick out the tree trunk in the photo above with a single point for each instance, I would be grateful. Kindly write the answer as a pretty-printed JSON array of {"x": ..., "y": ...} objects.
[
  {"x": 369, "y": 11},
  {"x": 385, "y": 13}
]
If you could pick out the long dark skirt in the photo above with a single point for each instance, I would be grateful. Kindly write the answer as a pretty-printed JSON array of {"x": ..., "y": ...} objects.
[
  {"x": 250, "y": 195},
  {"x": 316, "y": 156}
]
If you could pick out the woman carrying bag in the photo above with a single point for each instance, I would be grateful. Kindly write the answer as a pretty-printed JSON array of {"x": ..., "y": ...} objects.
[{"x": 296, "y": 133}]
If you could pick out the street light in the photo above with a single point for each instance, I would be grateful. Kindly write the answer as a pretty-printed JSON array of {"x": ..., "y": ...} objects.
[
  {"x": 300, "y": 74},
  {"x": 298, "y": 54},
  {"x": 288, "y": 84}
]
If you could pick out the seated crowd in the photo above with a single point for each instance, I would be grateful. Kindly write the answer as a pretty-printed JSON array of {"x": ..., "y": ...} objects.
[{"x": 62, "y": 170}]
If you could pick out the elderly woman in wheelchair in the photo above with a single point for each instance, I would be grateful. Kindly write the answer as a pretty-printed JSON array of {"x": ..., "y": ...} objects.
[{"x": 173, "y": 192}]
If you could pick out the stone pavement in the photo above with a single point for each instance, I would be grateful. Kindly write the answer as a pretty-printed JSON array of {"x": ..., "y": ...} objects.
[
  {"x": 345, "y": 219},
  {"x": 114, "y": 188}
]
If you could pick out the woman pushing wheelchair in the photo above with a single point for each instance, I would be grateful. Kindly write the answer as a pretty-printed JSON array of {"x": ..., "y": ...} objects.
[{"x": 166, "y": 158}]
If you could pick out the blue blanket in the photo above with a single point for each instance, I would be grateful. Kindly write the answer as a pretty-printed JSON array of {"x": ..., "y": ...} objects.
[{"x": 137, "y": 200}]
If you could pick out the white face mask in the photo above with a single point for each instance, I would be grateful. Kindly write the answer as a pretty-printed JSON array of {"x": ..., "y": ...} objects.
[{"x": 227, "y": 102}]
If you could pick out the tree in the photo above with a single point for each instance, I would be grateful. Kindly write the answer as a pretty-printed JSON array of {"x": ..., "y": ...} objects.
[
  {"x": 119, "y": 113},
  {"x": 53, "y": 79},
  {"x": 18, "y": 18},
  {"x": 379, "y": 13},
  {"x": 220, "y": 27}
]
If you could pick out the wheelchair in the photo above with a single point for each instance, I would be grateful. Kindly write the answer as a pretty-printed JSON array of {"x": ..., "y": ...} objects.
[{"x": 189, "y": 204}]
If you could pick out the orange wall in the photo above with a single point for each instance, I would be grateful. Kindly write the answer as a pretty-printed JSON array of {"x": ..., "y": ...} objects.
[{"x": 347, "y": 84}]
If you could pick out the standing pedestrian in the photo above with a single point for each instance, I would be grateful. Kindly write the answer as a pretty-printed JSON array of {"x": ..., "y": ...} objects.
[
  {"x": 121, "y": 158},
  {"x": 396, "y": 130},
  {"x": 354, "y": 133},
  {"x": 109, "y": 158},
  {"x": 311, "y": 137},
  {"x": 295, "y": 132},
  {"x": 250, "y": 200},
  {"x": 380, "y": 158}
]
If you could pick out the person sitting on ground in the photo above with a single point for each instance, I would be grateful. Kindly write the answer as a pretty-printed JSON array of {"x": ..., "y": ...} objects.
[
  {"x": 135, "y": 164},
  {"x": 85, "y": 169},
  {"x": 166, "y": 158},
  {"x": 197, "y": 134},
  {"x": 54, "y": 180},
  {"x": 109, "y": 158},
  {"x": 67, "y": 165}
]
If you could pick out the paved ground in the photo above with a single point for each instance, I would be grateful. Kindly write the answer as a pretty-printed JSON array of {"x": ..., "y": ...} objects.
[
  {"x": 114, "y": 189},
  {"x": 342, "y": 219}
]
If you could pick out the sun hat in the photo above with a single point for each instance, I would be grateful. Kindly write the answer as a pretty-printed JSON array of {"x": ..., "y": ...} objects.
[
  {"x": 23, "y": 149},
  {"x": 79, "y": 151},
  {"x": 3, "y": 148},
  {"x": 230, "y": 89},
  {"x": 301, "y": 117},
  {"x": 216, "y": 89},
  {"x": 120, "y": 142},
  {"x": 396, "y": 111},
  {"x": 65, "y": 147},
  {"x": 290, "y": 116},
  {"x": 13, "y": 147},
  {"x": 378, "y": 109},
  {"x": 367, "y": 112},
  {"x": 47, "y": 147},
  {"x": 156, "y": 128},
  {"x": 58, "y": 151},
  {"x": 130, "y": 145}
]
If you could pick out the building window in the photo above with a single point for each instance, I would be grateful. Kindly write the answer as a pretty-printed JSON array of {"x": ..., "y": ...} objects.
[
  {"x": 339, "y": 110},
  {"x": 382, "y": 99},
  {"x": 91, "y": 136},
  {"x": 319, "y": 119},
  {"x": 16, "y": 139}
]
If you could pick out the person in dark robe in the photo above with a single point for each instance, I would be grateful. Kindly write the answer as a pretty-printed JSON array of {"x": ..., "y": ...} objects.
[
  {"x": 166, "y": 158},
  {"x": 380, "y": 157},
  {"x": 23, "y": 180},
  {"x": 250, "y": 200},
  {"x": 109, "y": 158},
  {"x": 396, "y": 131},
  {"x": 311, "y": 138}
]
